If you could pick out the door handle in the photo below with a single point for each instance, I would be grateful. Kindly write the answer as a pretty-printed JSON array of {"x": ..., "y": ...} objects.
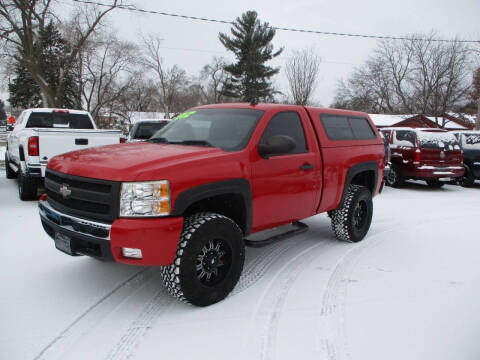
[{"x": 306, "y": 166}]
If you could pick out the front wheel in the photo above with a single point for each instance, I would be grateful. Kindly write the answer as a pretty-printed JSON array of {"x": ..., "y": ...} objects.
[
  {"x": 208, "y": 262},
  {"x": 467, "y": 179},
  {"x": 9, "y": 173},
  {"x": 351, "y": 221},
  {"x": 27, "y": 186}
]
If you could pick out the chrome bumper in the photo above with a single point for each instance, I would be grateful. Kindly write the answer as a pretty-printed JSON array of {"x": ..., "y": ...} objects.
[{"x": 100, "y": 231}]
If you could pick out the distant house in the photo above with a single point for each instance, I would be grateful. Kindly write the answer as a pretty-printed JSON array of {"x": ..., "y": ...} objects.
[{"x": 416, "y": 121}]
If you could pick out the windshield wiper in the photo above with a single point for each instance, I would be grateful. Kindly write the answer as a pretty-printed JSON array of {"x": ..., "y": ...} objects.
[
  {"x": 158, "y": 140},
  {"x": 192, "y": 142}
]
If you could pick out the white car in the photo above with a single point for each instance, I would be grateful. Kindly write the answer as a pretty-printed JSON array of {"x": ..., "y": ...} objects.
[{"x": 40, "y": 134}]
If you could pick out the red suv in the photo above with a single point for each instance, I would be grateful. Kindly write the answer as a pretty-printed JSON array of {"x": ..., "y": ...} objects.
[{"x": 432, "y": 155}]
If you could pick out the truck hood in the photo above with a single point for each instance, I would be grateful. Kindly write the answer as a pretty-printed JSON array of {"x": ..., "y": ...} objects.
[{"x": 140, "y": 161}]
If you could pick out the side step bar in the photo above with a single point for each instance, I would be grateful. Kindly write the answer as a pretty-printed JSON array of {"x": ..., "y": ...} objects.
[{"x": 277, "y": 234}]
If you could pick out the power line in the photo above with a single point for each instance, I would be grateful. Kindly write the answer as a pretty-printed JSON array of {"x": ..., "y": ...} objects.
[{"x": 380, "y": 37}]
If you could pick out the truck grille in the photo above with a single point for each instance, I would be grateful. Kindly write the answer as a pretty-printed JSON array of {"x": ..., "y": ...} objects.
[{"x": 85, "y": 197}]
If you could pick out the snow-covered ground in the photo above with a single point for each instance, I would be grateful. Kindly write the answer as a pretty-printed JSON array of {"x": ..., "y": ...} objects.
[{"x": 410, "y": 290}]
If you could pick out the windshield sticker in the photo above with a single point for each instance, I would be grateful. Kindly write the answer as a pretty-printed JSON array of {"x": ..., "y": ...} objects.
[{"x": 184, "y": 115}]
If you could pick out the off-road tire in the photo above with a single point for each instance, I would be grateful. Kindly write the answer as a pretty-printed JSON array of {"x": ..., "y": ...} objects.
[
  {"x": 467, "y": 180},
  {"x": 9, "y": 173},
  {"x": 434, "y": 183},
  {"x": 351, "y": 221},
  {"x": 183, "y": 278},
  {"x": 27, "y": 187},
  {"x": 395, "y": 177}
]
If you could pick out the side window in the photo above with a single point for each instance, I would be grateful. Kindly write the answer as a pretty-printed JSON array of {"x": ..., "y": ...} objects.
[
  {"x": 404, "y": 138},
  {"x": 340, "y": 127},
  {"x": 287, "y": 123}
]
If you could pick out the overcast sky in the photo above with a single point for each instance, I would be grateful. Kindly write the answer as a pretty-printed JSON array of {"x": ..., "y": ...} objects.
[{"x": 191, "y": 44}]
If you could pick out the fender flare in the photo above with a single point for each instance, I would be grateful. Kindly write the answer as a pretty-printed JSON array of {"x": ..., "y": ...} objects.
[
  {"x": 357, "y": 169},
  {"x": 195, "y": 194}
]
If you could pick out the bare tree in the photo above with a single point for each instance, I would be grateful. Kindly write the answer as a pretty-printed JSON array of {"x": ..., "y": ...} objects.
[
  {"x": 170, "y": 81},
  {"x": 108, "y": 71},
  {"x": 302, "y": 71},
  {"x": 212, "y": 81},
  {"x": 20, "y": 24},
  {"x": 409, "y": 76}
]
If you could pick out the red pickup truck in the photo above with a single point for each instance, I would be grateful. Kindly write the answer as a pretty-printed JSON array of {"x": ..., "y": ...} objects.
[{"x": 188, "y": 197}]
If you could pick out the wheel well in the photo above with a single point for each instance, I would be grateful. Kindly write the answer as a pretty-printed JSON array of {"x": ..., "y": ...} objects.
[
  {"x": 230, "y": 205},
  {"x": 21, "y": 153},
  {"x": 365, "y": 178}
]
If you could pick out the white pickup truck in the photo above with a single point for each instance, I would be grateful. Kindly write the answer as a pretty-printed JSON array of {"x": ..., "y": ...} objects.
[{"x": 40, "y": 134}]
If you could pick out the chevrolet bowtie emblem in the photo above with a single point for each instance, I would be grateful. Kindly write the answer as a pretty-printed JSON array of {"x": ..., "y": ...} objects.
[{"x": 65, "y": 191}]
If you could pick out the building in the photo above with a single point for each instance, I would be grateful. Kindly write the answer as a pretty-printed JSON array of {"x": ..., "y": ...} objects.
[{"x": 418, "y": 121}]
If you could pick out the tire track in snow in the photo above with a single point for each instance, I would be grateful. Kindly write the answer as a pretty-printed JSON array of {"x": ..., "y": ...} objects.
[
  {"x": 262, "y": 259},
  {"x": 278, "y": 290},
  {"x": 255, "y": 269},
  {"x": 134, "y": 281},
  {"x": 138, "y": 329},
  {"x": 333, "y": 308}
]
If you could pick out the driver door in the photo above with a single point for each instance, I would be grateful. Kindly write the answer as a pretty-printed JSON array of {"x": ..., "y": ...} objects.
[{"x": 286, "y": 187}]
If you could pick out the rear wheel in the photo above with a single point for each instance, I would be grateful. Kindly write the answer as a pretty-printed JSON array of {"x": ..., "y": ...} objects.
[
  {"x": 435, "y": 183},
  {"x": 9, "y": 173},
  {"x": 351, "y": 221},
  {"x": 208, "y": 262},
  {"x": 395, "y": 177},
  {"x": 467, "y": 179},
  {"x": 27, "y": 187}
]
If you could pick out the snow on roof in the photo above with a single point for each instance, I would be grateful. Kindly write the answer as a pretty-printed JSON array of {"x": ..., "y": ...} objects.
[
  {"x": 470, "y": 118},
  {"x": 388, "y": 120},
  {"x": 448, "y": 123}
]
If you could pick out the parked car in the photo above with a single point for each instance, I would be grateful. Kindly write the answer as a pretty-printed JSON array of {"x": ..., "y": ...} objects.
[
  {"x": 388, "y": 155},
  {"x": 144, "y": 129},
  {"x": 40, "y": 134},
  {"x": 423, "y": 154},
  {"x": 470, "y": 144},
  {"x": 186, "y": 198}
]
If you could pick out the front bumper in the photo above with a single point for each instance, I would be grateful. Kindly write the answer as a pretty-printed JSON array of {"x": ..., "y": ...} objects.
[{"x": 157, "y": 238}]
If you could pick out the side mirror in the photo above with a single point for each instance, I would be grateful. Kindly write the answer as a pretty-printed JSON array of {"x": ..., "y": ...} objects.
[
  {"x": 9, "y": 127},
  {"x": 276, "y": 145}
]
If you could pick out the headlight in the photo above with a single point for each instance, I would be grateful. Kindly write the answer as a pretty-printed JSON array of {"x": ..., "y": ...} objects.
[{"x": 150, "y": 198}]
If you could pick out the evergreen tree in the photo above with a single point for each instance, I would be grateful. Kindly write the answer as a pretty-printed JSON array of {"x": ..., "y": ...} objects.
[
  {"x": 3, "y": 114},
  {"x": 24, "y": 91},
  {"x": 251, "y": 44},
  {"x": 51, "y": 50}
]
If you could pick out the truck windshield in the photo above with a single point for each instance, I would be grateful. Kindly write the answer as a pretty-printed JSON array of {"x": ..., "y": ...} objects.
[
  {"x": 59, "y": 120},
  {"x": 228, "y": 129},
  {"x": 144, "y": 130},
  {"x": 437, "y": 140}
]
